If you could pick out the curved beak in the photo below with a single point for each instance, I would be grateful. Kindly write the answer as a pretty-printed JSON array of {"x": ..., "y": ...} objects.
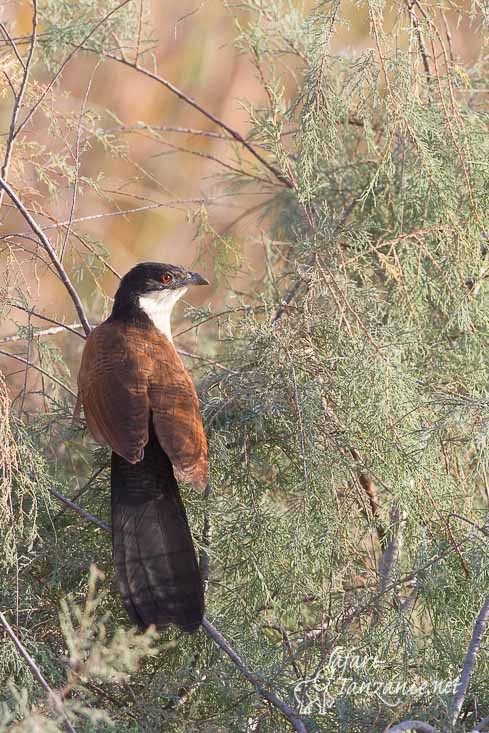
[{"x": 193, "y": 278}]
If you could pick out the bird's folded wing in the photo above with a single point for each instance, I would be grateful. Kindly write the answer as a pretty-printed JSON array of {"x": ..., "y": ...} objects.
[
  {"x": 176, "y": 415},
  {"x": 113, "y": 388}
]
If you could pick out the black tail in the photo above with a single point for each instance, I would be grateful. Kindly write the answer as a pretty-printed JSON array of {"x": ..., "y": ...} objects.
[{"x": 154, "y": 555}]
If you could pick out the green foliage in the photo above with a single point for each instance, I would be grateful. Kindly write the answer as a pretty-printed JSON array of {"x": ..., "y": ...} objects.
[{"x": 346, "y": 409}]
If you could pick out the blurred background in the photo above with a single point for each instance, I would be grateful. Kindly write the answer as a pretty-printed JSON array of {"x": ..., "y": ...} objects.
[{"x": 106, "y": 140}]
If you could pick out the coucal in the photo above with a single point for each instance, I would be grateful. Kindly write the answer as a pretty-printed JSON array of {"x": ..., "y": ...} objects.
[{"x": 139, "y": 399}]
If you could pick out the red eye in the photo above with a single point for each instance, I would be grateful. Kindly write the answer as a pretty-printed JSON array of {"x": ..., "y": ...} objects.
[{"x": 167, "y": 278}]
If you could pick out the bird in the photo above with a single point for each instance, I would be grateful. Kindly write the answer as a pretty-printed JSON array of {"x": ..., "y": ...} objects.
[{"x": 140, "y": 401}]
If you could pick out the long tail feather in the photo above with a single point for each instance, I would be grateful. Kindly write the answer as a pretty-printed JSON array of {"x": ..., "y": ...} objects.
[{"x": 154, "y": 555}]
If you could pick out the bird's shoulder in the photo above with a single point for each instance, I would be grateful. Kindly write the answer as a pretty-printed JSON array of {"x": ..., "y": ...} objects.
[{"x": 112, "y": 341}]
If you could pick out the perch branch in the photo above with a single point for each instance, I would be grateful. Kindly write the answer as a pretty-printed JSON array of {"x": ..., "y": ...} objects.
[
  {"x": 80, "y": 510},
  {"x": 211, "y": 630},
  {"x": 288, "y": 711}
]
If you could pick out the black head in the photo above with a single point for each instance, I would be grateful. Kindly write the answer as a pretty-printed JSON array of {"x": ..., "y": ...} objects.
[{"x": 152, "y": 277}]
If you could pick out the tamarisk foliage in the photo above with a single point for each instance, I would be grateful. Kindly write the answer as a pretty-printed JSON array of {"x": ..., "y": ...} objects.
[{"x": 344, "y": 535}]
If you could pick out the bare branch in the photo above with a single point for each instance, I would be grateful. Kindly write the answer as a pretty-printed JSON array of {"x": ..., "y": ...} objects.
[
  {"x": 80, "y": 510},
  {"x": 39, "y": 369},
  {"x": 143, "y": 126},
  {"x": 32, "y": 312},
  {"x": 44, "y": 332},
  {"x": 121, "y": 212},
  {"x": 285, "y": 709},
  {"x": 77, "y": 163},
  {"x": 216, "y": 120},
  {"x": 475, "y": 642},
  {"x": 412, "y": 725},
  {"x": 9, "y": 81},
  {"x": 52, "y": 254},
  {"x": 12, "y": 43},
  {"x": 12, "y": 134},
  {"x": 54, "y": 699},
  {"x": 66, "y": 61}
]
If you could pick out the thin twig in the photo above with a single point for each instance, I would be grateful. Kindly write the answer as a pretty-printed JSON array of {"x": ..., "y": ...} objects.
[
  {"x": 190, "y": 355},
  {"x": 77, "y": 163},
  {"x": 12, "y": 134},
  {"x": 82, "y": 491},
  {"x": 294, "y": 290},
  {"x": 66, "y": 61},
  {"x": 52, "y": 254},
  {"x": 421, "y": 44},
  {"x": 11, "y": 41},
  {"x": 214, "y": 159},
  {"x": 475, "y": 642},
  {"x": 36, "y": 672},
  {"x": 143, "y": 126},
  {"x": 39, "y": 369},
  {"x": 43, "y": 332},
  {"x": 32, "y": 312},
  {"x": 206, "y": 540},
  {"x": 216, "y": 120},
  {"x": 121, "y": 212},
  {"x": 9, "y": 81}
]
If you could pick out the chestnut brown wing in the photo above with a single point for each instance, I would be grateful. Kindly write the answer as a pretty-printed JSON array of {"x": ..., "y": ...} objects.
[
  {"x": 128, "y": 375},
  {"x": 113, "y": 388},
  {"x": 176, "y": 415}
]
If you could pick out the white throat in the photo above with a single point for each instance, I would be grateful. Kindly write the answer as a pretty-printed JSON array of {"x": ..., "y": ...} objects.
[{"x": 158, "y": 307}]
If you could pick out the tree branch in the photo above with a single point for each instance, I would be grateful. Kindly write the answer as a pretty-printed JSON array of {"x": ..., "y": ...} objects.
[
  {"x": 210, "y": 116},
  {"x": 416, "y": 725},
  {"x": 80, "y": 510},
  {"x": 36, "y": 672},
  {"x": 66, "y": 61},
  {"x": 52, "y": 254},
  {"x": 211, "y": 630},
  {"x": 32, "y": 312},
  {"x": 285, "y": 709},
  {"x": 39, "y": 369},
  {"x": 43, "y": 332},
  {"x": 12, "y": 134},
  {"x": 475, "y": 642}
]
